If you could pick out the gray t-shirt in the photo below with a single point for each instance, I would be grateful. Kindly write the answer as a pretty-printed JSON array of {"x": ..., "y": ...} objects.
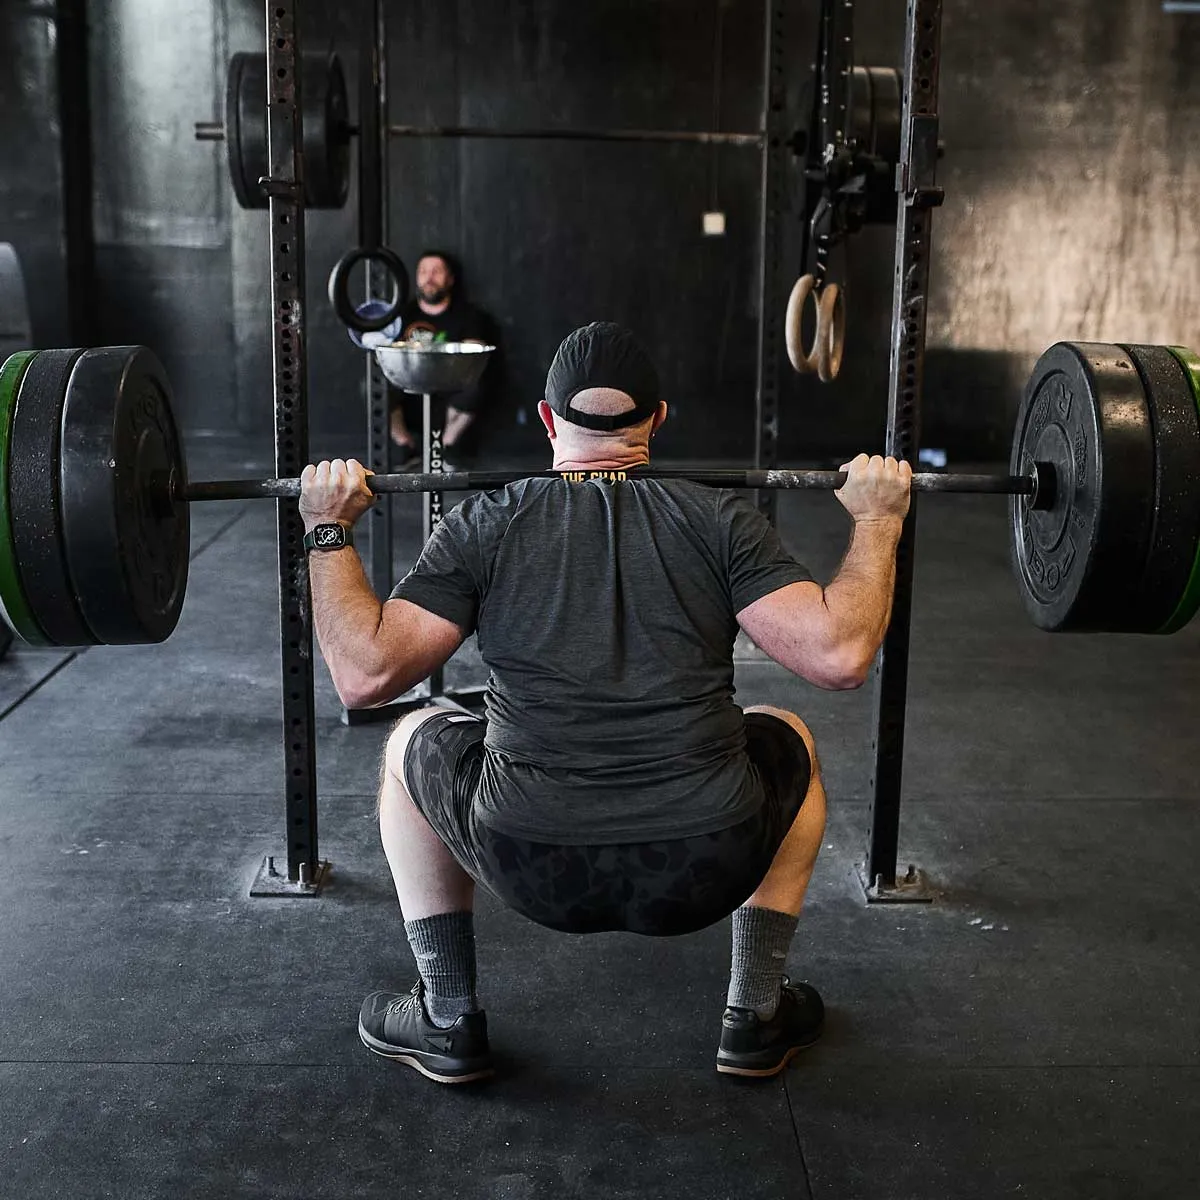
[{"x": 605, "y": 613}]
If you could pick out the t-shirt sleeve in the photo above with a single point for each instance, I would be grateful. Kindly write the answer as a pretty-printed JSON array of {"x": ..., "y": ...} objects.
[
  {"x": 758, "y": 564},
  {"x": 447, "y": 578}
]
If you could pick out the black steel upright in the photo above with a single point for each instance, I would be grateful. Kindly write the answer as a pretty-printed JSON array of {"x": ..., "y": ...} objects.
[
  {"x": 285, "y": 188},
  {"x": 772, "y": 203},
  {"x": 826, "y": 137},
  {"x": 918, "y": 195},
  {"x": 372, "y": 232},
  {"x": 75, "y": 125}
]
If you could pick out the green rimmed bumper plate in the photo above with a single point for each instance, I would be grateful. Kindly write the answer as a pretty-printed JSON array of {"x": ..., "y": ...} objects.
[{"x": 14, "y": 605}]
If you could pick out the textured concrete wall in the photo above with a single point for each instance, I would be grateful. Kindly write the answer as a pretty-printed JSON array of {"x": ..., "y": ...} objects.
[
  {"x": 30, "y": 176},
  {"x": 1069, "y": 174}
]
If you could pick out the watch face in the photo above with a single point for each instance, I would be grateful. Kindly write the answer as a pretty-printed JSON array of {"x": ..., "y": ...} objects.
[{"x": 328, "y": 535}]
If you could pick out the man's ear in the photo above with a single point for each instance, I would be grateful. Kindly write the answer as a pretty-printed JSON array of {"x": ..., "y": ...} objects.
[
  {"x": 547, "y": 415},
  {"x": 659, "y": 417}
]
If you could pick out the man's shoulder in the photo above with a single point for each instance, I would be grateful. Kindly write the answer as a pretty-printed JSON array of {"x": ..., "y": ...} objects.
[
  {"x": 688, "y": 492},
  {"x": 501, "y": 502}
]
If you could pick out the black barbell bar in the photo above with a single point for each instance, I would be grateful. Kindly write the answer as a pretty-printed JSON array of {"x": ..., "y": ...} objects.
[
  {"x": 1038, "y": 484},
  {"x": 214, "y": 131},
  {"x": 701, "y": 137}
]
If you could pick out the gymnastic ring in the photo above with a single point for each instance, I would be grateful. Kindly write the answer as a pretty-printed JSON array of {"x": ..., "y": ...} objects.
[
  {"x": 339, "y": 288},
  {"x": 831, "y": 332},
  {"x": 804, "y": 362}
]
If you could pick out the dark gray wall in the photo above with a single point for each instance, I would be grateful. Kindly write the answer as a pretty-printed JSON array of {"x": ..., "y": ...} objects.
[
  {"x": 1070, "y": 179},
  {"x": 162, "y": 200},
  {"x": 30, "y": 176},
  {"x": 555, "y": 234},
  {"x": 1069, "y": 208}
]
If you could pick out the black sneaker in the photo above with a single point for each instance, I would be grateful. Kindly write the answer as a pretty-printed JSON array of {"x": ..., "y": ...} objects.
[
  {"x": 758, "y": 1048},
  {"x": 396, "y": 1025}
]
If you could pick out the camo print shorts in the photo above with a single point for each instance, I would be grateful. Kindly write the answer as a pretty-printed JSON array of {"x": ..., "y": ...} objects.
[{"x": 660, "y": 889}]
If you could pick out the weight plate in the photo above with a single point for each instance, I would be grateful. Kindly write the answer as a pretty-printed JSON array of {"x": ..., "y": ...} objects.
[
  {"x": 1079, "y": 562},
  {"x": 246, "y": 127},
  {"x": 14, "y": 607},
  {"x": 1188, "y": 605},
  {"x": 1176, "y": 513},
  {"x": 34, "y": 502},
  {"x": 326, "y": 129},
  {"x": 874, "y": 111},
  {"x": 326, "y": 132},
  {"x": 127, "y": 540},
  {"x": 873, "y": 128}
]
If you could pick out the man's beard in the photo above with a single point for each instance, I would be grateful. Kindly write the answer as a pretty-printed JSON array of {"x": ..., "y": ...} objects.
[{"x": 434, "y": 295}]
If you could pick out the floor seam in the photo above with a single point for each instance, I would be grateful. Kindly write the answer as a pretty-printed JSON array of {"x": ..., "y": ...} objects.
[
  {"x": 71, "y": 656},
  {"x": 219, "y": 533},
  {"x": 787, "y": 1093}
]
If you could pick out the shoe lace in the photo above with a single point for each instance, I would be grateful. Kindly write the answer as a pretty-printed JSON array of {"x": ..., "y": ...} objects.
[{"x": 406, "y": 1002}]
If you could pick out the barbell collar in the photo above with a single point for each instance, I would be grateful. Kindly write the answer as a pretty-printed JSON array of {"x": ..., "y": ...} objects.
[
  {"x": 1045, "y": 486},
  {"x": 461, "y": 481},
  {"x": 209, "y": 131}
]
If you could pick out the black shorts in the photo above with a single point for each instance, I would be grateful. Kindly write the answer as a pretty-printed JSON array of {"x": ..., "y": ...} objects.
[{"x": 660, "y": 888}]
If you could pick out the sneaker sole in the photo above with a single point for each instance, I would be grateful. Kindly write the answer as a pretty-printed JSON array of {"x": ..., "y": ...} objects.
[
  {"x": 413, "y": 1059},
  {"x": 725, "y": 1068}
]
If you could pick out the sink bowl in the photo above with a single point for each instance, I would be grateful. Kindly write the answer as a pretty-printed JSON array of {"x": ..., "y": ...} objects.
[{"x": 445, "y": 367}]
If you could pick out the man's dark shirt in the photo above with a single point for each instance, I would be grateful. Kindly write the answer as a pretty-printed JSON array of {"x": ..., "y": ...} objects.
[
  {"x": 461, "y": 322},
  {"x": 606, "y": 614}
]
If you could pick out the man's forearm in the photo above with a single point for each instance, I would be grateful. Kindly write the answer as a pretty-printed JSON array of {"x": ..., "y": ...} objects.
[
  {"x": 346, "y": 615},
  {"x": 859, "y": 598}
]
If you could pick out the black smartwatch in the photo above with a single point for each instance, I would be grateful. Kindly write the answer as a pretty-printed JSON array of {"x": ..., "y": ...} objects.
[{"x": 327, "y": 537}]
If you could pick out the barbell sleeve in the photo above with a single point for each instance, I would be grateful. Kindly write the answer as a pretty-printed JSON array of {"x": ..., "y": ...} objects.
[{"x": 459, "y": 481}]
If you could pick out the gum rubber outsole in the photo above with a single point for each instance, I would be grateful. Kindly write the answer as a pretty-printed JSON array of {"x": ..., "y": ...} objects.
[
  {"x": 410, "y": 1059},
  {"x": 748, "y": 1073}
]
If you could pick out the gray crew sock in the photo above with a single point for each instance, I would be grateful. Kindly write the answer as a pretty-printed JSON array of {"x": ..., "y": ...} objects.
[
  {"x": 761, "y": 938},
  {"x": 444, "y": 947}
]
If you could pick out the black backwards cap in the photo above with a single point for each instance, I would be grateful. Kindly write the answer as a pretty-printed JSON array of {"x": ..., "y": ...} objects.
[{"x": 602, "y": 355}]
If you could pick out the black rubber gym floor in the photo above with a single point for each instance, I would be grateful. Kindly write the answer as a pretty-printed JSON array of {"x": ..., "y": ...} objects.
[{"x": 1034, "y": 1033}]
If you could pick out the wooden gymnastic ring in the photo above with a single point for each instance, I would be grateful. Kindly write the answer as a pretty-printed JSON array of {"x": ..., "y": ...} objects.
[
  {"x": 831, "y": 332},
  {"x": 805, "y": 362}
]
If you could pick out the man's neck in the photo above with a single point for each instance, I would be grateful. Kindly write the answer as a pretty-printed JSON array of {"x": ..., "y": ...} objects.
[
  {"x": 433, "y": 310},
  {"x": 618, "y": 460}
]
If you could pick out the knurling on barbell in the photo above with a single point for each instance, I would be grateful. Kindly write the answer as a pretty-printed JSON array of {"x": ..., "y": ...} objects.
[{"x": 1031, "y": 485}]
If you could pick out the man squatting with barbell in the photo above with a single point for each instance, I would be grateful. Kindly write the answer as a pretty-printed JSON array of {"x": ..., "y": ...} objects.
[{"x": 614, "y": 784}]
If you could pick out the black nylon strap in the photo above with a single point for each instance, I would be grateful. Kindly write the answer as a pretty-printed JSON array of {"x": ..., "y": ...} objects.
[{"x": 604, "y": 423}]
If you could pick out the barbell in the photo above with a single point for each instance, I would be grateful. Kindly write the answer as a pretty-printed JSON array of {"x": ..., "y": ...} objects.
[
  {"x": 872, "y": 128},
  {"x": 1104, "y": 487}
]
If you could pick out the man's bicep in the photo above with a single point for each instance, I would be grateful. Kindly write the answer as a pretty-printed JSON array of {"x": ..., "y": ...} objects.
[{"x": 791, "y": 625}]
